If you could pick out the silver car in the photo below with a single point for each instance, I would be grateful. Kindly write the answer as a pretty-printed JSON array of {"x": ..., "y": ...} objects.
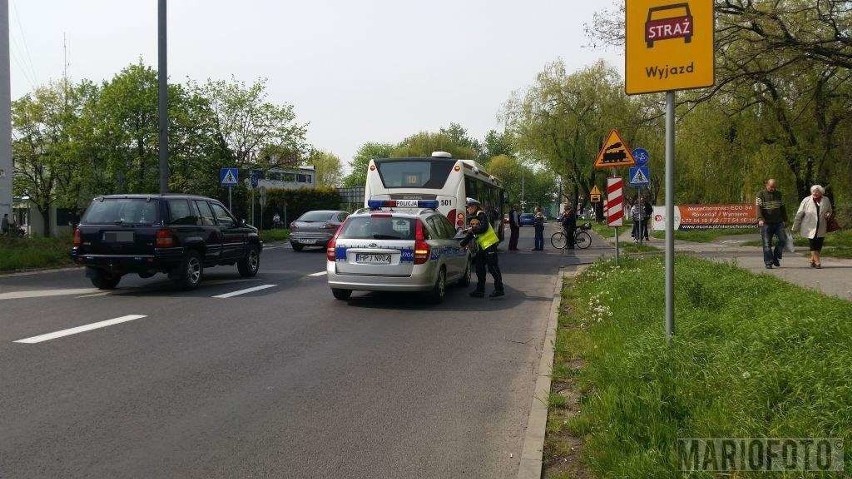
[
  {"x": 396, "y": 251},
  {"x": 315, "y": 228}
]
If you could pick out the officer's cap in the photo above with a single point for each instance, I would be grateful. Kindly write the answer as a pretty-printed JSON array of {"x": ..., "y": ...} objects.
[{"x": 471, "y": 202}]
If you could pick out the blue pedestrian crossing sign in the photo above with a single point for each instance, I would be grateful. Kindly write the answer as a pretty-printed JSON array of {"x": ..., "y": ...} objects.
[
  {"x": 639, "y": 176},
  {"x": 641, "y": 156},
  {"x": 255, "y": 176},
  {"x": 229, "y": 176}
]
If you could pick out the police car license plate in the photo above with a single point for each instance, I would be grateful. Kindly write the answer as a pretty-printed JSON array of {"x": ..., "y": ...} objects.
[{"x": 373, "y": 258}]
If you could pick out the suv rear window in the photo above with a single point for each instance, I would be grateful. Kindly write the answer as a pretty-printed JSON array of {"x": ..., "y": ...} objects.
[
  {"x": 137, "y": 211},
  {"x": 383, "y": 227}
]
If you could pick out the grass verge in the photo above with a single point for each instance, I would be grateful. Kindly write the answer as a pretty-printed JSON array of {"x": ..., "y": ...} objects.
[
  {"x": 752, "y": 357},
  {"x": 281, "y": 234},
  {"x": 608, "y": 231},
  {"x": 36, "y": 252}
]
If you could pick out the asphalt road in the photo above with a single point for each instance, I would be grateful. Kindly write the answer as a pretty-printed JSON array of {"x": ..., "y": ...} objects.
[{"x": 280, "y": 382}]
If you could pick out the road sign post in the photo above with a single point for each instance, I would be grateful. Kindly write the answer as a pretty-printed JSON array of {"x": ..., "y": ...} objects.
[
  {"x": 229, "y": 177},
  {"x": 615, "y": 207},
  {"x": 669, "y": 47}
]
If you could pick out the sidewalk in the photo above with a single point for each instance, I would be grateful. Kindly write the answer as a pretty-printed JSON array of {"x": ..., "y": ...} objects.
[{"x": 835, "y": 277}]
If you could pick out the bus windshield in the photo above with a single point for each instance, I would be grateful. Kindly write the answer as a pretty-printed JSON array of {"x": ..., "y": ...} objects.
[{"x": 411, "y": 173}]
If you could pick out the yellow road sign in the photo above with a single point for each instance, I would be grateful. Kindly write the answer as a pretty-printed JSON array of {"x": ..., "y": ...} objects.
[
  {"x": 614, "y": 153},
  {"x": 595, "y": 191},
  {"x": 595, "y": 198},
  {"x": 668, "y": 45}
]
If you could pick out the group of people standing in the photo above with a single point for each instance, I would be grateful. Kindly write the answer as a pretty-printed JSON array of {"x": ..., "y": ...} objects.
[
  {"x": 640, "y": 213},
  {"x": 568, "y": 220}
]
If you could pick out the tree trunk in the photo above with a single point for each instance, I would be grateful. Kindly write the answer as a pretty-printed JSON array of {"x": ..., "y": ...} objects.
[{"x": 44, "y": 210}]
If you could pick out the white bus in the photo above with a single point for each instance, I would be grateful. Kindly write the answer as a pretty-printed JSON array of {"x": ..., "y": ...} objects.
[{"x": 442, "y": 178}]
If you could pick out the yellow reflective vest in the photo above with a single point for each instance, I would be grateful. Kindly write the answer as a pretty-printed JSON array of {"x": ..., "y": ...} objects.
[{"x": 489, "y": 238}]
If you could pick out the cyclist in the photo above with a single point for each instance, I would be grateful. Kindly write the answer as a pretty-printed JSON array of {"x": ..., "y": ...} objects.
[{"x": 569, "y": 224}]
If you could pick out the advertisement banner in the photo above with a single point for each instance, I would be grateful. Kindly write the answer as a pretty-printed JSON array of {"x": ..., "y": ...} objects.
[{"x": 690, "y": 217}]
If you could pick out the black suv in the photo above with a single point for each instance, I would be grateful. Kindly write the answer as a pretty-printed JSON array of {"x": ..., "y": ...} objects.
[{"x": 175, "y": 234}]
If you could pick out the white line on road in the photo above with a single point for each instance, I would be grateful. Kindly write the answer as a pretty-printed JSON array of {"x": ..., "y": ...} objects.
[
  {"x": 321, "y": 273},
  {"x": 244, "y": 291},
  {"x": 43, "y": 293},
  {"x": 93, "y": 295},
  {"x": 80, "y": 329}
]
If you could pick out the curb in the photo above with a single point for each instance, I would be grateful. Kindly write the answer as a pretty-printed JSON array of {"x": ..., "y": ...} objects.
[{"x": 531, "y": 455}]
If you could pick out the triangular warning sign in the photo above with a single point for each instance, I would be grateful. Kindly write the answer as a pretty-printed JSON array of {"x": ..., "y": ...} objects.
[
  {"x": 229, "y": 178},
  {"x": 639, "y": 177},
  {"x": 615, "y": 153},
  {"x": 595, "y": 191}
]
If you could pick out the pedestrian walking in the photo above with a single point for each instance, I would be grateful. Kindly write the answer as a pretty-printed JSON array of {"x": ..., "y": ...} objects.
[
  {"x": 636, "y": 217},
  {"x": 772, "y": 219},
  {"x": 482, "y": 232},
  {"x": 647, "y": 212},
  {"x": 276, "y": 220},
  {"x": 514, "y": 228},
  {"x": 811, "y": 220},
  {"x": 538, "y": 225}
]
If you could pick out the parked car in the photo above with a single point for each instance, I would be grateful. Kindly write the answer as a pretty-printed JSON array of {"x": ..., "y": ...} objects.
[
  {"x": 396, "y": 251},
  {"x": 526, "y": 219},
  {"x": 179, "y": 235},
  {"x": 315, "y": 228}
]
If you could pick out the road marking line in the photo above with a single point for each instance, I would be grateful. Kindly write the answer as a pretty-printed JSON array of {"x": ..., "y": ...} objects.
[
  {"x": 80, "y": 329},
  {"x": 43, "y": 293},
  {"x": 321, "y": 273},
  {"x": 244, "y": 291},
  {"x": 93, "y": 295}
]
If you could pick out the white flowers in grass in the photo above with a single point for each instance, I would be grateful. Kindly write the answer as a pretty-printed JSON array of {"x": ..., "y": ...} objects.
[
  {"x": 598, "y": 308},
  {"x": 746, "y": 375}
]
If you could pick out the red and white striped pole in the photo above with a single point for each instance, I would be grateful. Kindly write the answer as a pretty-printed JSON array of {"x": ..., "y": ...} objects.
[{"x": 615, "y": 206}]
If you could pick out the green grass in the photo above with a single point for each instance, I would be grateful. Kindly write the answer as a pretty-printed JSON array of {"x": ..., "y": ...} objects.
[
  {"x": 608, "y": 231},
  {"x": 281, "y": 234},
  {"x": 752, "y": 357},
  {"x": 37, "y": 252},
  {"x": 704, "y": 236}
]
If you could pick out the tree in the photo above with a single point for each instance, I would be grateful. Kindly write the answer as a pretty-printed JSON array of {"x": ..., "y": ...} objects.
[
  {"x": 358, "y": 165},
  {"x": 47, "y": 138},
  {"x": 251, "y": 131},
  {"x": 561, "y": 120},
  {"x": 327, "y": 167},
  {"x": 496, "y": 144},
  {"x": 424, "y": 143}
]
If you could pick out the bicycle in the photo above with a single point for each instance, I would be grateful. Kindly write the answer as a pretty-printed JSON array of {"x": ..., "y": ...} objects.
[{"x": 581, "y": 237}]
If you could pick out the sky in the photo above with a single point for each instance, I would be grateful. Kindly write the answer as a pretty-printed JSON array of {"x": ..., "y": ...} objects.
[{"x": 356, "y": 71}]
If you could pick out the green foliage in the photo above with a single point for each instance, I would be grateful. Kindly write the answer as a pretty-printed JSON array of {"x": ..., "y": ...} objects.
[
  {"x": 279, "y": 234},
  {"x": 327, "y": 166},
  {"x": 298, "y": 202},
  {"x": 28, "y": 253},
  {"x": 752, "y": 357},
  {"x": 358, "y": 165},
  {"x": 424, "y": 143}
]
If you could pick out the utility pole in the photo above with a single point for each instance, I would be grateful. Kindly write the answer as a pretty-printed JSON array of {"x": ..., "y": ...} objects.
[
  {"x": 163, "y": 96},
  {"x": 6, "y": 169}
]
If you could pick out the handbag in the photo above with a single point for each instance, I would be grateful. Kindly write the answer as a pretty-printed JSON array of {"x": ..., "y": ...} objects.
[
  {"x": 831, "y": 224},
  {"x": 788, "y": 242}
]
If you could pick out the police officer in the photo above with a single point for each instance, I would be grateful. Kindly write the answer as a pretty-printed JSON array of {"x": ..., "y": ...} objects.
[{"x": 486, "y": 251}]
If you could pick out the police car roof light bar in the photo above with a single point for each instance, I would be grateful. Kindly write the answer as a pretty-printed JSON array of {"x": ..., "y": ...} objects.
[{"x": 377, "y": 204}]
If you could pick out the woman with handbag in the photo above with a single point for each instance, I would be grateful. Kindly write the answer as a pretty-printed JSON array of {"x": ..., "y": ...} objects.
[{"x": 811, "y": 219}]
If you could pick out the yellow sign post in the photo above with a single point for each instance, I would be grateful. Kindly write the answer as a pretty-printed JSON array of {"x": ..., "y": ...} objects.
[{"x": 668, "y": 45}]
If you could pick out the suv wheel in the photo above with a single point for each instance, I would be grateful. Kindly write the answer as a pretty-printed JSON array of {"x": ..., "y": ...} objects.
[
  {"x": 104, "y": 280},
  {"x": 440, "y": 289},
  {"x": 191, "y": 271},
  {"x": 341, "y": 294},
  {"x": 250, "y": 263}
]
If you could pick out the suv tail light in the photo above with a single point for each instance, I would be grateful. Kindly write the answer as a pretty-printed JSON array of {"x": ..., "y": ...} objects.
[
  {"x": 164, "y": 239},
  {"x": 78, "y": 238},
  {"x": 332, "y": 245},
  {"x": 421, "y": 247}
]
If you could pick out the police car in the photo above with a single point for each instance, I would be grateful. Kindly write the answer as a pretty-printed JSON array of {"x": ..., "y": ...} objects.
[{"x": 396, "y": 245}]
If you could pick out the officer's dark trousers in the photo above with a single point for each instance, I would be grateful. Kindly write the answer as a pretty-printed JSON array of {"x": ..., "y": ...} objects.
[{"x": 487, "y": 259}]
